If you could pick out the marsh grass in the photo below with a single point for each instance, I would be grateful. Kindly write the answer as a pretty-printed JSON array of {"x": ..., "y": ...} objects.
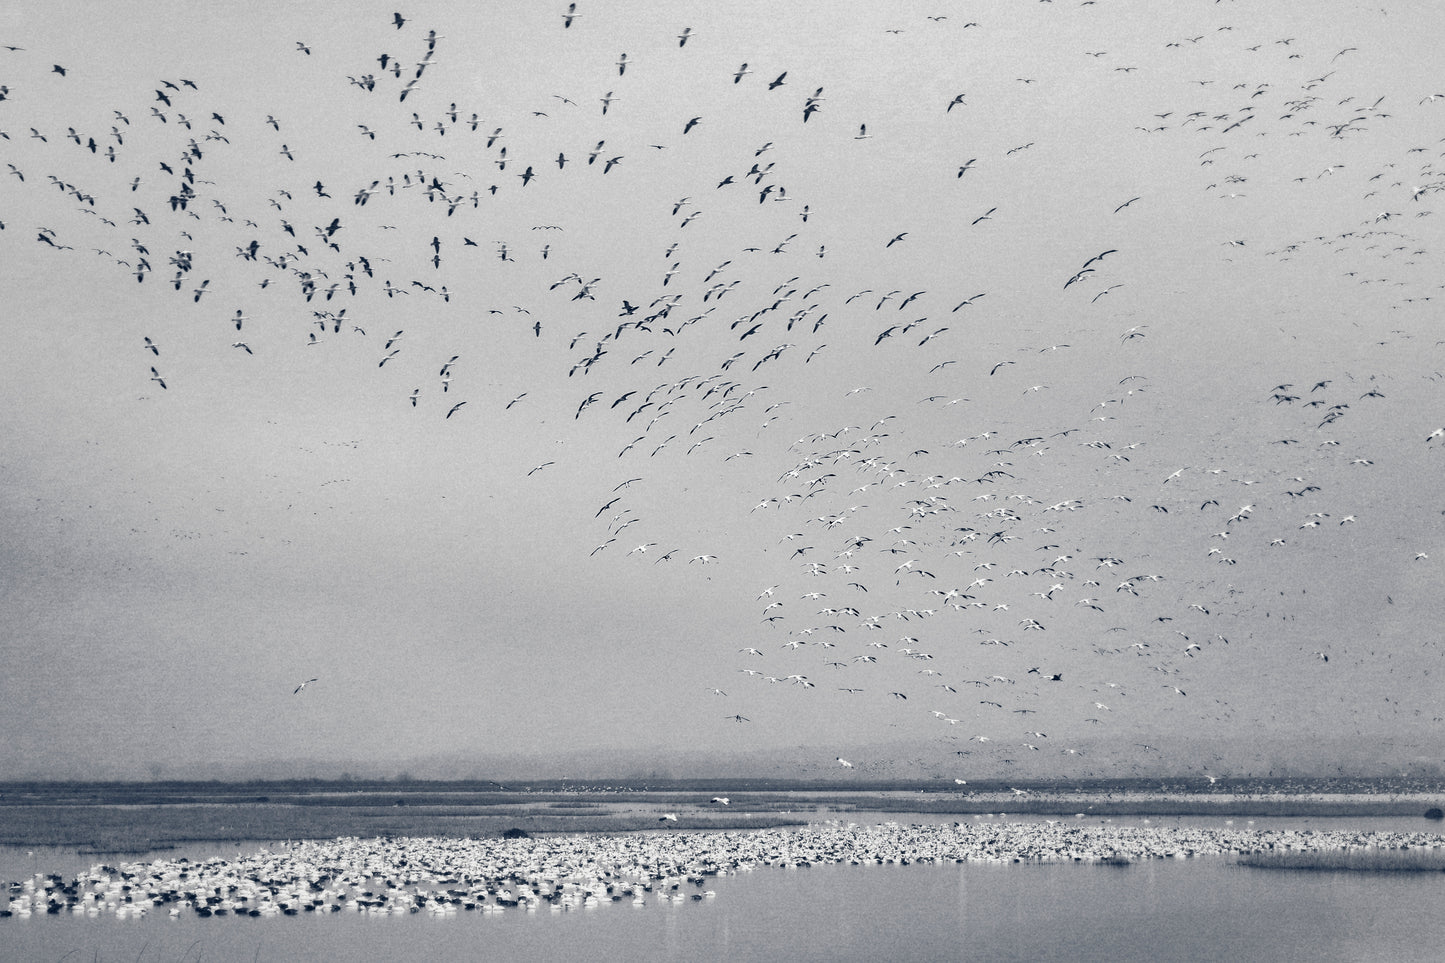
[
  {"x": 1223, "y": 807},
  {"x": 136, "y": 829},
  {"x": 1360, "y": 860},
  {"x": 136, "y": 817}
]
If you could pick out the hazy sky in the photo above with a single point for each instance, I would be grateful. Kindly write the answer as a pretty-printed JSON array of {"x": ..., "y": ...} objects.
[{"x": 808, "y": 345}]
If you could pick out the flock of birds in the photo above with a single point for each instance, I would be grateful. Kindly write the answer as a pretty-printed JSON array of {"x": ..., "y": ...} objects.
[{"x": 997, "y": 547}]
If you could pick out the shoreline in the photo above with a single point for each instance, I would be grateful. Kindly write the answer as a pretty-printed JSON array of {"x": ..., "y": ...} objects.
[{"x": 110, "y": 827}]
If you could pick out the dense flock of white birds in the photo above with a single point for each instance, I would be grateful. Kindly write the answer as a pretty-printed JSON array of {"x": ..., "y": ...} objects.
[{"x": 918, "y": 336}]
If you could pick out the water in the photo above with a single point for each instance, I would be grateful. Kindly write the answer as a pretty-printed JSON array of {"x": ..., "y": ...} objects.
[
  {"x": 1161, "y": 910},
  {"x": 1319, "y": 824}
]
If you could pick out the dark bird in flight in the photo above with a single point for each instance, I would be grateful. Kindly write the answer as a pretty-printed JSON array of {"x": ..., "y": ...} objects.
[{"x": 587, "y": 402}]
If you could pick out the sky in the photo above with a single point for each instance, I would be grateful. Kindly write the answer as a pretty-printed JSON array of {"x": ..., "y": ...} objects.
[{"x": 1043, "y": 390}]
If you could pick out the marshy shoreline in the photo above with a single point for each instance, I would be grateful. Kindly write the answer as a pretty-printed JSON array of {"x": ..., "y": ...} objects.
[{"x": 117, "y": 818}]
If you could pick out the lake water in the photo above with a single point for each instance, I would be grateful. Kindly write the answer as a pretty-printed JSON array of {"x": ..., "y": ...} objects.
[{"x": 1173, "y": 909}]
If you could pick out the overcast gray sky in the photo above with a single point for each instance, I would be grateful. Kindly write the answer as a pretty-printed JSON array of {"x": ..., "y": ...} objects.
[{"x": 809, "y": 344}]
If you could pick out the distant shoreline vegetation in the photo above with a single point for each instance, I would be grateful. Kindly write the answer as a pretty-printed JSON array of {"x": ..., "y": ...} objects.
[
  {"x": 1173, "y": 785},
  {"x": 118, "y": 817}
]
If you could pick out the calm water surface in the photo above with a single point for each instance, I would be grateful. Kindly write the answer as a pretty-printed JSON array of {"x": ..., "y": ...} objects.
[{"x": 1197, "y": 909}]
